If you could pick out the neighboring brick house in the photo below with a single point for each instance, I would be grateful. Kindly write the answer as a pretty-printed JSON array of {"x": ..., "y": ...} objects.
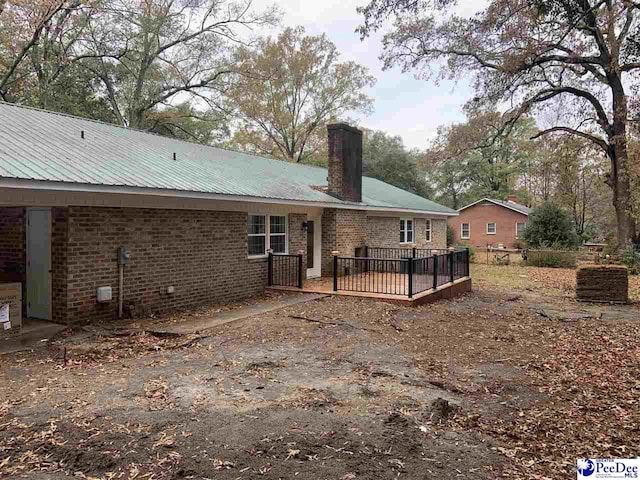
[
  {"x": 490, "y": 223},
  {"x": 198, "y": 221}
]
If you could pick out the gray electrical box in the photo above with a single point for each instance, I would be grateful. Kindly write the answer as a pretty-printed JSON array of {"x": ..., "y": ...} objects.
[{"x": 123, "y": 255}]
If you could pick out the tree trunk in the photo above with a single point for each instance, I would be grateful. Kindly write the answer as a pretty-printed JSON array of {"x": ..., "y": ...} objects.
[
  {"x": 621, "y": 184},
  {"x": 620, "y": 179}
]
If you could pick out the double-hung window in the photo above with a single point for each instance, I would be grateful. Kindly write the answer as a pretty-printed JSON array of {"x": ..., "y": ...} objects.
[
  {"x": 465, "y": 231},
  {"x": 428, "y": 231},
  {"x": 520, "y": 229},
  {"x": 266, "y": 232},
  {"x": 491, "y": 228},
  {"x": 406, "y": 230}
]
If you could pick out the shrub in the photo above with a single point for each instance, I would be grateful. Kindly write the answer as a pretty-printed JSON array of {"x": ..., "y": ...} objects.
[
  {"x": 551, "y": 259},
  {"x": 518, "y": 244},
  {"x": 450, "y": 236},
  {"x": 550, "y": 226},
  {"x": 631, "y": 258},
  {"x": 472, "y": 251}
]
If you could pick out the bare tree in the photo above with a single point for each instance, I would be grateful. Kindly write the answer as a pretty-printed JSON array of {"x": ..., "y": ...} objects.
[
  {"x": 26, "y": 29},
  {"x": 528, "y": 54},
  {"x": 150, "y": 53},
  {"x": 289, "y": 87}
]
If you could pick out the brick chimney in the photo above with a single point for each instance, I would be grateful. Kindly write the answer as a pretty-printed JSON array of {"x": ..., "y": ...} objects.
[
  {"x": 513, "y": 199},
  {"x": 345, "y": 162}
]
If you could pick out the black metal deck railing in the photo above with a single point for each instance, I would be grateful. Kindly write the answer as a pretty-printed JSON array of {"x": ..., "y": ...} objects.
[
  {"x": 400, "y": 253},
  {"x": 370, "y": 275},
  {"x": 285, "y": 270},
  {"x": 406, "y": 276}
]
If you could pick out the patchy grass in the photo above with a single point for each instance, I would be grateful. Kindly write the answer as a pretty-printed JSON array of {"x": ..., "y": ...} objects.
[{"x": 556, "y": 282}]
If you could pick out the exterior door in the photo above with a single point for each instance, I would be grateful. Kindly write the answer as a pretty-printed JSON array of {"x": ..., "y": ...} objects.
[
  {"x": 38, "y": 263},
  {"x": 314, "y": 242}
]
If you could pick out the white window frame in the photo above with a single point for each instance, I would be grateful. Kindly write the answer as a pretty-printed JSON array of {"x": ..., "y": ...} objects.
[
  {"x": 267, "y": 234},
  {"x": 468, "y": 231},
  {"x": 520, "y": 223},
  {"x": 405, "y": 230},
  {"x": 495, "y": 228},
  {"x": 428, "y": 231}
]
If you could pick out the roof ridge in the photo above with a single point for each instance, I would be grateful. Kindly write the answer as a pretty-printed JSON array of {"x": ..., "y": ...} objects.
[{"x": 115, "y": 125}]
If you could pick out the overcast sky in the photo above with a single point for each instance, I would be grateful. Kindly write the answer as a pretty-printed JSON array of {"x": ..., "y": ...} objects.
[{"x": 403, "y": 105}]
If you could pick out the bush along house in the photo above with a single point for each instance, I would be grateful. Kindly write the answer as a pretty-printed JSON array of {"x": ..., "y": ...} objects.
[
  {"x": 491, "y": 223},
  {"x": 98, "y": 220}
]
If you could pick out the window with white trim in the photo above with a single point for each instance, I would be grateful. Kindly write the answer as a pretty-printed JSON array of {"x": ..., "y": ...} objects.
[
  {"x": 428, "y": 231},
  {"x": 465, "y": 231},
  {"x": 266, "y": 232},
  {"x": 406, "y": 230},
  {"x": 491, "y": 228},
  {"x": 520, "y": 229}
]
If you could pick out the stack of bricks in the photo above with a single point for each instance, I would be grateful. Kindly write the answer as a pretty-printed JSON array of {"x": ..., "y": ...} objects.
[{"x": 603, "y": 283}]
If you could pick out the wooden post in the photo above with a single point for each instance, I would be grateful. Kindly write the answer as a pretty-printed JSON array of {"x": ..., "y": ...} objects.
[
  {"x": 410, "y": 273},
  {"x": 270, "y": 270},
  {"x": 335, "y": 273}
]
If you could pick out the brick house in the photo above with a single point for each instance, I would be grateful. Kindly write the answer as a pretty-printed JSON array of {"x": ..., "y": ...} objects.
[
  {"x": 196, "y": 222},
  {"x": 490, "y": 222}
]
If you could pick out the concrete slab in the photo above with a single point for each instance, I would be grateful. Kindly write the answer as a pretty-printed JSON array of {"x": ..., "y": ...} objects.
[
  {"x": 222, "y": 318},
  {"x": 30, "y": 336}
]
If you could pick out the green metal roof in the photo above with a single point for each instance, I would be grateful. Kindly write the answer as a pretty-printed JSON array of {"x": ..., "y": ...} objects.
[{"x": 48, "y": 147}]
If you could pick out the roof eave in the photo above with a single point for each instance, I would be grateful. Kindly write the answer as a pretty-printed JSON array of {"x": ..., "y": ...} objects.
[
  {"x": 495, "y": 203},
  {"x": 25, "y": 184}
]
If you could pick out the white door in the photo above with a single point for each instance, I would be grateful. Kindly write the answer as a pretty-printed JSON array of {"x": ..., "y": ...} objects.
[
  {"x": 38, "y": 263},
  {"x": 314, "y": 247}
]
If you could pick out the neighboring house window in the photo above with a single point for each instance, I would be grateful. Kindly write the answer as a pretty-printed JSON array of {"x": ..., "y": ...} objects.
[
  {"x": 428, "y": 231},
  {"x": 406, "y": 230},
  {"x": 266, "y": 232},
  {"x": 465, "y": 231},
  {"x": 491, "y": 228},
  {"x": 520, "y": 229}
]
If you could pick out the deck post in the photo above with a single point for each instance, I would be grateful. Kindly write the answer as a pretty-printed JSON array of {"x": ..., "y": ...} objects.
[
  {"x": 300, "y": 261},
  {"x": 366, "y": 262},
  {"x": 335, "y": 273},
  {"x": 468, "y": 266},
  {"x": 410, "y": 273},
  {"x": 413, "y": 253},
  {"x": 435, "y": 272},
  {"x": 451, "y": 260},
  {"x": 270, "y": 270}
]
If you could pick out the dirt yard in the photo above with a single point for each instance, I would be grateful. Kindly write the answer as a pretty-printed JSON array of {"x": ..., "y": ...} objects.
[{"x": 515, "y": 380}]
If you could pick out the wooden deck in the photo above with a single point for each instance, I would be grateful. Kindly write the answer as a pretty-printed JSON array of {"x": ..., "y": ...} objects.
[{"x": 399, "y": 284}]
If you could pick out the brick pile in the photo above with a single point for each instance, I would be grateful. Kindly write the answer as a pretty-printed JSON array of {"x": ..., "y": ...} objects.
[{"x": 603, "y": 283}]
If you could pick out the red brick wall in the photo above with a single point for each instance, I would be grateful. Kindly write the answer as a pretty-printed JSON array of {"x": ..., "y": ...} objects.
[
  {"x": 12, "y": 243},
  {"x": 203, "y": 254},
  {"x": 479, "y": 215},
  {"x": 344, "y": 231},
  {"x": 59, "y": 238}
]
